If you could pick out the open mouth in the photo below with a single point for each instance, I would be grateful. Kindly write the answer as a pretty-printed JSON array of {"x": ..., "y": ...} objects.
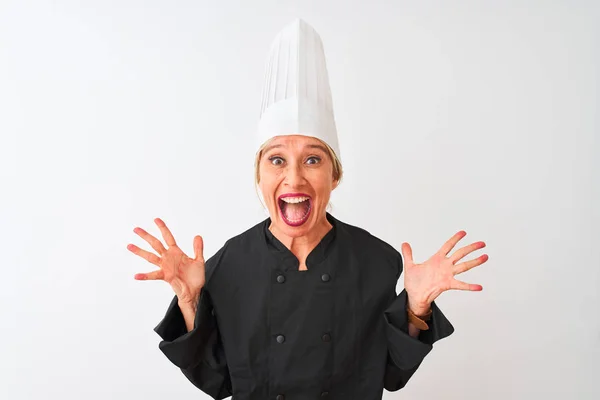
[{"x": 295, "y": 208}]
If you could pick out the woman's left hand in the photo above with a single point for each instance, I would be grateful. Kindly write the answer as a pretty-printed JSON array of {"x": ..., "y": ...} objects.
[{"x": 425, "y": 282}]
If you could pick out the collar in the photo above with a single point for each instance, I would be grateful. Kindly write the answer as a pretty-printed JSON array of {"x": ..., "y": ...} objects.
[{"x": 317, "y": 255}]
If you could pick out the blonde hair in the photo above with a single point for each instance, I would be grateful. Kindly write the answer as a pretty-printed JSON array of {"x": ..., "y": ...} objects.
[{"x": 338, "y": 172}]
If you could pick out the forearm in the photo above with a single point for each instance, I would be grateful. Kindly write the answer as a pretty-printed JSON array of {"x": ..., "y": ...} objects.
[
  {"x": 191, "y": 341},
  {"x": 188, "y": 310},
  {"x": 413, "y": 331},
  {"x": 418, "y": 310},
  {"x": 405, "y": 350}
]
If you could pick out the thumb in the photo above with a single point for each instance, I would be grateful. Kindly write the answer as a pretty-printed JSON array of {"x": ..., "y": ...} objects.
[
  {"x": 407, "y": 253},
  {"x": 199, "y": 248}
]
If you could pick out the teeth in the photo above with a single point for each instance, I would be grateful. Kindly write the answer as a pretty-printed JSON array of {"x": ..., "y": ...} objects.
[{"x": 294, "y": 199}]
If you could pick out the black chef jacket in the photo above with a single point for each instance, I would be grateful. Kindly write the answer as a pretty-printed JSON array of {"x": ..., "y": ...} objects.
[{"x": 266, "y": 330}]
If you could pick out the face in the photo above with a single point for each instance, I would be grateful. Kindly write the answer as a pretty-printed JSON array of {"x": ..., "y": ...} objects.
[{"x": 296, "y": 180}]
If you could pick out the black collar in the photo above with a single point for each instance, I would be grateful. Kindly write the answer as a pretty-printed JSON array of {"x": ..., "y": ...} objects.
[{"x": 317, "y": 255}]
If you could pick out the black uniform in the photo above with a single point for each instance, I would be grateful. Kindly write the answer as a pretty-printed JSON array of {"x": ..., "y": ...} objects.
[{"x": 266, "y": 330}]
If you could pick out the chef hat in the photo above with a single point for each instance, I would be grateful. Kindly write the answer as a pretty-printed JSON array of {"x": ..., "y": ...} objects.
[{"x": 296, "y": 97}]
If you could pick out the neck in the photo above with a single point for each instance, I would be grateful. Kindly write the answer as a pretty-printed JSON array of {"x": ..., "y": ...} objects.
[{"x": 301, "y": 246}]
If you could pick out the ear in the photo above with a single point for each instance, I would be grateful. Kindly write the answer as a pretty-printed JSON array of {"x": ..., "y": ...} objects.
[{"x": 335, "y": 184}]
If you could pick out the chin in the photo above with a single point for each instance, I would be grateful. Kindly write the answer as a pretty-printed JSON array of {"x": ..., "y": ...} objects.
[
  {"x": 296, "y": 228},
  {"x": 291, "y": 230}
]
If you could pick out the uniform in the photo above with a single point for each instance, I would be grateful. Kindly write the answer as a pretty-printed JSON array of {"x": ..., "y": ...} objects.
[{"x": 266, "y": 330}]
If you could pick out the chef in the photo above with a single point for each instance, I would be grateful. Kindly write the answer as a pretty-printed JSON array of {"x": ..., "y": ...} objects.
[{"x": 302, "y": 305}]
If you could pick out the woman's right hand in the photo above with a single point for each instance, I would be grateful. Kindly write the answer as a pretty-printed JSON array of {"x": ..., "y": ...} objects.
[{"x": 185, "y": 275}]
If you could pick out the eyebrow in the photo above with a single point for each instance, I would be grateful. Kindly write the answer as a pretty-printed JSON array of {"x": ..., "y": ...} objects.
[
  {"x": 271, "y": 147},
  {"x": 310, "y": 146},
  {"x": 318, "y": 146}
]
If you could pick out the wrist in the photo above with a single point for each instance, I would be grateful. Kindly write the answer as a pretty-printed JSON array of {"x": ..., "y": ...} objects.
[
  {"x": 418, "y": 322},
  {"x": 189, "y": 301},
  {"x": 418, "y": 308},
  {"x": 420, "y": 311},
  {"x": 187, "y": 305}
]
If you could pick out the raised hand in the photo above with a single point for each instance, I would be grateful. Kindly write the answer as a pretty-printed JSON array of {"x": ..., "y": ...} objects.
[
  {"x": 425, "y": 282},
  {"x": 185, "y": 275}
]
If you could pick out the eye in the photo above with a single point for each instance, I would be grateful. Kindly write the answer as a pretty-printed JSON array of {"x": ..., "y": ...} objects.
[
  {"x": 276, "y": 160},
  {"x": 313, "y": 158}
]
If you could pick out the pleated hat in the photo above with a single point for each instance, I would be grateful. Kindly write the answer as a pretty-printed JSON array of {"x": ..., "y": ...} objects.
[{"x": 296, "y": 97}]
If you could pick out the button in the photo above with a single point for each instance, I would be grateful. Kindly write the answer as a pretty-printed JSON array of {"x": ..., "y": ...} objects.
[
  {"x": 326, "y": 337},
  {"x": 280, "y": 397},
  {"x": 324, "y": 394},
  {"x": 280, "y": 278},
  {"x": 212, "y": 312},
  {"x": 280, "y": 338},
  {"x": 325, "y": 277}
]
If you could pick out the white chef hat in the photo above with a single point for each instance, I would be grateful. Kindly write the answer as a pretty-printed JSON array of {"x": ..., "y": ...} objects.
[{"x": 296, "y": 96}]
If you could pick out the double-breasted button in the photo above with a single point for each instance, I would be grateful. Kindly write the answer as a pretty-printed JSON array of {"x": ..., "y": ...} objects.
[
  {"x": 280, "y": 397},
  {"x": 280, "y": 278},
  {"x": 324, "y": 394},
  {"x": 280, "y": 338},
  {"x": 325, "y": 277},
  {"x": 326, "y": 337}
]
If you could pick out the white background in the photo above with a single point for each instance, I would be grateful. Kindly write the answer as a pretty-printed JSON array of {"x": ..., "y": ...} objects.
[{"x": 474, "y": 115}]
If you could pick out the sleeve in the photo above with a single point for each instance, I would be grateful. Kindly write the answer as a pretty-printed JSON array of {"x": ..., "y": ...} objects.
[
  {"x": 406, "y": 353},
  {"x": 198, "y": 353}
]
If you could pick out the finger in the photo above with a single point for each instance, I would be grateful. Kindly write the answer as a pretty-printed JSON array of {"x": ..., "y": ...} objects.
[
  {"x": 460, "y": 253},
  {"x": 407, "y": 253},
  {"x": 449, "y": 245},
  {"x": 154, "y": 242},
  {"x": 166, "y": 233},
  {"x": 467, "y": 265},
  {"x": 146, "y": 255},
  {"x": 151, "y": 276},
  {"x": 460, "y": 285},
  {"x": 199, "y": 248}
]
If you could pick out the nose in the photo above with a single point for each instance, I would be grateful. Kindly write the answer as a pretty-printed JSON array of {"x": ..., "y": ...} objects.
[{"x": 294, "y": 176}]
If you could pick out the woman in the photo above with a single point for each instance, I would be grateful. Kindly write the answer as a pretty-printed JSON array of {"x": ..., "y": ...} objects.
[{"x": 302, "y": 305}]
